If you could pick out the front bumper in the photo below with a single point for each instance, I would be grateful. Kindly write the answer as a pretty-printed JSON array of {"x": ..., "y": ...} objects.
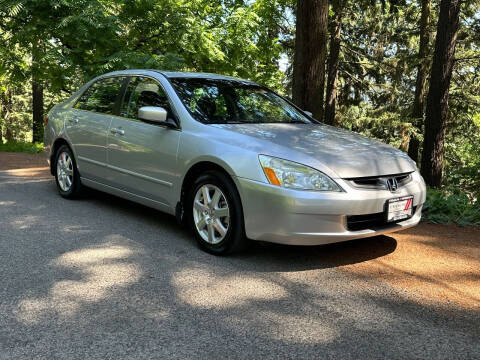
[{"x": 280, "y": 215}]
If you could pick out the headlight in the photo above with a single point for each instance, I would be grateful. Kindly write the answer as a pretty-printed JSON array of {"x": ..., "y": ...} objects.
[{"x": 292, "y": 175}]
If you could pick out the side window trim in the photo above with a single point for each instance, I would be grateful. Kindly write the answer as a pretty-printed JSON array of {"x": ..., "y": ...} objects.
[
  {"x": 74, "y": 106},
  {"x": 124, "y": 99},
  {"x": 117, "y": 104},
  {"x": 121, "y": 96}
]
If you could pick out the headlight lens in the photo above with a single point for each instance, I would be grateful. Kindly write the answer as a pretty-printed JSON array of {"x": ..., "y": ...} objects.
[{"x": 292, "y": 175}]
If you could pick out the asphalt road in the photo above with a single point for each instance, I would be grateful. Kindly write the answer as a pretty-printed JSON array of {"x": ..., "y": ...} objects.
[{"x": 103, "y": 278}]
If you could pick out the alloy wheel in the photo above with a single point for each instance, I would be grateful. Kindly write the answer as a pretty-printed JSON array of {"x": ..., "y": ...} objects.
[
  {"x": 65, "y": 171},
  {"x": 211, "y": 214}
]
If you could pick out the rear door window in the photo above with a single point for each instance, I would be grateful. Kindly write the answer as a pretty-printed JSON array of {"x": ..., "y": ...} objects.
[{"x": 101, "y": 96}]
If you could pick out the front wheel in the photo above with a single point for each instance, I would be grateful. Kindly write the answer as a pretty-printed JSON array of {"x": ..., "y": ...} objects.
[
  {"x": 215, "y": 214},
  {"x": 66, "y": 173}
]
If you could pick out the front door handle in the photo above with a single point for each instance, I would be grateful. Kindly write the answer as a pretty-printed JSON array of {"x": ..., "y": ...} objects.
[
  {"x": 73, "y": 121},
  {"x": 116, "y": 131}
]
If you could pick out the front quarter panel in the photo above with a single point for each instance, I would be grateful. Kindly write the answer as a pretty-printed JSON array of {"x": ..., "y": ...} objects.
[{"x": 196, "y": 147}]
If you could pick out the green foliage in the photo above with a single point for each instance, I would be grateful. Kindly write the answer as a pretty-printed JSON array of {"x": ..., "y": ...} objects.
[
  {"x": 232, "y": 38},
  {"x": 378, "y": 65},
  {"x": 462, "y": 164},
  {"x": 386, "y": 126},
  {"x": 15, "y": 146},
  {"x": 451, "y": 206},
  {"x": 64, "y": 43},
  {"x": 15, "y": 116}
]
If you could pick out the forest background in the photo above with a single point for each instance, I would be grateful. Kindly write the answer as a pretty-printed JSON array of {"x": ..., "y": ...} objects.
[{"x": 406, "y": 72}]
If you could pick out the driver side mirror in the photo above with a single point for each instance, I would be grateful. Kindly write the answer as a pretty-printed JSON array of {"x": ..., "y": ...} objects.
[
  {"x": 152, "y": 113},
  {"x": 155, "y": 115}
]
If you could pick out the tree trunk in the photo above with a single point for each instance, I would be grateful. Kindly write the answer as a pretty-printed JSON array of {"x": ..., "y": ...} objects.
[
  {"x": 310, "y": 55},
  {"x": 6, "y": 113},
  {"x": 2, "y": 116},
  {"x": 37, "y": 95},
  {"x": 37, "y": 106},
  {"x": 418, "y": 102},
  {"x": 437, "y": 100},
  {"x": 9, "y": 134},
  {"x": 333, "y": 60}
]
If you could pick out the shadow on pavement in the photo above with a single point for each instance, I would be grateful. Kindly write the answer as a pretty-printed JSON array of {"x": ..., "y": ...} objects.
[
  {"x": 260, "y": 255},
  {"x": 276, "y": 257},
  {"x": 106, "y": 278}
]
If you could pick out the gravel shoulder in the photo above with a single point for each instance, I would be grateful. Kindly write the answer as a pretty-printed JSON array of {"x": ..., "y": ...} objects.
[{"x": 103, "y": 278}]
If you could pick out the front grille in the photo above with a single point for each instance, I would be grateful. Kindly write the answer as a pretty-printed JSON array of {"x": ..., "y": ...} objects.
[
  {"x": 380, "y": 182},
  {"x": 370, "y": 221}
]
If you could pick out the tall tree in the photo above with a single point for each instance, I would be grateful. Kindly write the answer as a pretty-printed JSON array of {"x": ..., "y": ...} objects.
[
  {"x": 422, "y": 69},
  {"x": 5, "y": 114},
  {"x": 310, "y": 54},
  {"x": 437, "y": 100},
  {"x": 333, "y": 60},
  {"x": 58, "y": 38},
  {"x": 37, "y": 93}
]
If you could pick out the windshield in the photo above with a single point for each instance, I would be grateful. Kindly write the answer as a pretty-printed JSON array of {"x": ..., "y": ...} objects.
[{"x": 220, "y": 101}]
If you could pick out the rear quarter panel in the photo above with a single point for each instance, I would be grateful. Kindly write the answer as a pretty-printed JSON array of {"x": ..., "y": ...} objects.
[{"x": 56, "y": 122}]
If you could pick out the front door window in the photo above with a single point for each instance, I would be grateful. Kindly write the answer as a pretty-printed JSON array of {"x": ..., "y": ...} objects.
[{"x": 142, "y": 91}]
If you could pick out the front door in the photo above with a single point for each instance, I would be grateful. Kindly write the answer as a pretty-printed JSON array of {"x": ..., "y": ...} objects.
[{"x": 143, "y": 156}]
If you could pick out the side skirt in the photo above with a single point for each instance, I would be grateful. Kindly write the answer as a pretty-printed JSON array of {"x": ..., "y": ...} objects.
[{"x": 128, "y": 195}]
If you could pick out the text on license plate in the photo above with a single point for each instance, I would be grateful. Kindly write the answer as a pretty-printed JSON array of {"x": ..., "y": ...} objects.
[{"x": 400, "y": 208}]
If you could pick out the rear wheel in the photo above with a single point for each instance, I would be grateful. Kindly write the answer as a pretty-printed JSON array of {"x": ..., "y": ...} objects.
[
  {"x": 66, "y": 173},
  {"x": 215, "y": 214}
]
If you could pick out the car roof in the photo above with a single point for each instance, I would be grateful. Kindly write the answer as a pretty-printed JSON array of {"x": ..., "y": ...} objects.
[
  {"x": 178, "y": 74},
  {"x": 196, "y": 75}
]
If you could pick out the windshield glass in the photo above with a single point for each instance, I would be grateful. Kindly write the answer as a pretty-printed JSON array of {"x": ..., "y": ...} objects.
[{"x": 220, "y": 101}]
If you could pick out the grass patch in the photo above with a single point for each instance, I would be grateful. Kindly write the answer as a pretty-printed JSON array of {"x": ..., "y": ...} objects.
[
  {"x": 447, "y": 206},
  {"x": 14, "y": 146}
]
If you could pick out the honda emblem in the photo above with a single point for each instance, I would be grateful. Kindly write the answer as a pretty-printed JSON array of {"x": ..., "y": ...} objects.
[{"x": 392, "y": 184}]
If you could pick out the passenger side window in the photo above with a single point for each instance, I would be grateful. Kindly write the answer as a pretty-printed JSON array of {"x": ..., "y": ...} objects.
[
  {"x": 101, "y": 96},
  {"x": 142, "y": 91}
]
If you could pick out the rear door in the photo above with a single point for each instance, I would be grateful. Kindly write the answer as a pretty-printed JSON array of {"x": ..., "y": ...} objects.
[
  {"x": 143, "y": 156},
  {"x": 88, "y": 123}
]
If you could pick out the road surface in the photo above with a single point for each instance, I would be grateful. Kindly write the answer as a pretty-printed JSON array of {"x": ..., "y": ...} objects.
[{"x": 104, "y": 278}]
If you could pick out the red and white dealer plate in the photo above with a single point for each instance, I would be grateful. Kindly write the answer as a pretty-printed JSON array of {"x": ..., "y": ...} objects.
[{"x": 400, "y": 208}]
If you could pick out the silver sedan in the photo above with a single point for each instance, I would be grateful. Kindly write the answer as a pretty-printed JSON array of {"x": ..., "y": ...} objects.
[{"x": 229, "y": 158}]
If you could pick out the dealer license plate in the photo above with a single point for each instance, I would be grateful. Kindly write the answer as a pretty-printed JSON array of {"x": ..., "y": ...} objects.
[{"x": 399, "y": 208}]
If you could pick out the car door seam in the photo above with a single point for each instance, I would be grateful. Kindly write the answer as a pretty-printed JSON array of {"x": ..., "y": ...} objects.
[
  {"x": 125, "y": 171},
  {"x": 144, "y": 177}
]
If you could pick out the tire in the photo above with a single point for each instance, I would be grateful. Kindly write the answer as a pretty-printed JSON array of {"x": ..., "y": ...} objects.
[
  {"x": 223, "y": 214},
  {"x": 66, "y": 174}
]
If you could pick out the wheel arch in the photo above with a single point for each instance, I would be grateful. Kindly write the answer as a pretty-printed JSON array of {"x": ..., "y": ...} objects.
[
  {"x": 193, "y": 172},
  {"x": 55, "y": 146}
]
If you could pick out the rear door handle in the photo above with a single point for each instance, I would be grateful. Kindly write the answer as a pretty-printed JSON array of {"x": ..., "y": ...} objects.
[{"x": 116, "y": 131}]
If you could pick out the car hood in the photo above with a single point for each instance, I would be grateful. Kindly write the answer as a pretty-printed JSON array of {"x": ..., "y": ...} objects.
[{"x": 344, "y": 152}]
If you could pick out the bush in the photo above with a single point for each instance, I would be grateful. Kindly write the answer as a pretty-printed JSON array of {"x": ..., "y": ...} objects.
[
  {"x": 446, "y": 207},
  {"x": 14, "y": 146}
]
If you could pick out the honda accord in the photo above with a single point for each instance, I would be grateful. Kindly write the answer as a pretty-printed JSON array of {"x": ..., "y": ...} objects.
[{"x": 231, "y": 159}]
